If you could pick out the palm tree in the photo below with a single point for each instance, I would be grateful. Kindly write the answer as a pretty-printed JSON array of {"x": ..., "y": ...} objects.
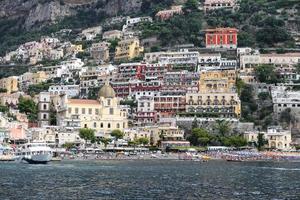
[{"x": 223, "y": 127}]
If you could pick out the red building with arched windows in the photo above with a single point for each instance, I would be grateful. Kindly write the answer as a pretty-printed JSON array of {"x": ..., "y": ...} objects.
[{"x": 221, "y": 38}]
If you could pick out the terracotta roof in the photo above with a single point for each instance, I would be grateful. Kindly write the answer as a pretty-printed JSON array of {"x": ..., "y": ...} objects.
[{"x": 83, "y": 101}]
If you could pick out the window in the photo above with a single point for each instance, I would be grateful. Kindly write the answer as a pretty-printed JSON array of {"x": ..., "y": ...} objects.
[
  {"x": 108, "y": 102},
  {"x": 118, "y": 125},
  {"x": 90, "y": 111},
  {"x": 45, "y": 116},
  {"x": 45, "y": 106},
  {"x": 111, "y": 111},
  {"x": 83, "y": 111},
  {"x": 76, "y": 110},
  {"x": 101, "y": 125},
  {"x": 95, "y": 125},
  {"x": 70, "y": 110},
  {"x": 108, "y": 125},
  {"x": 97, "y": 111}
]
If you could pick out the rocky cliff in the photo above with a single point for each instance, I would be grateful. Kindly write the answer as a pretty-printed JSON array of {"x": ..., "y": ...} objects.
[{"x": 42, "y": 12}]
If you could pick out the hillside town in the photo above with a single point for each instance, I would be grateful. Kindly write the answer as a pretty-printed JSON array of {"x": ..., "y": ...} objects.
[{"x": 113, "y": 90}]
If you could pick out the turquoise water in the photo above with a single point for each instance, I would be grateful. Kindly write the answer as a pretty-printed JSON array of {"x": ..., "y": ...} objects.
[{"x": 150, "y": 180}]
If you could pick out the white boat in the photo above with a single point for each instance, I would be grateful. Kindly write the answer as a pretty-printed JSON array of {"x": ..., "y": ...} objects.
[
  {"x": 35, "y": 153},
  {"x": 6, "y": 153}
]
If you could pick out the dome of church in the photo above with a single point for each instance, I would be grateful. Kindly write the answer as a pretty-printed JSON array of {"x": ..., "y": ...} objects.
[{"x": 107, "y": 91}]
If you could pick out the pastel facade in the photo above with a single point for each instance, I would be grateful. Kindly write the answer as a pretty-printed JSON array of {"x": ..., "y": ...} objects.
[
  {"x": 112, "y": 35},
  {"x": 167, "y": 14},
  {"x": 128, "y": 49},
  {"x": 10, "y": 84},
  {"x": 249, "y": 61},
  {"x": 29, "y": 78},
  {"x": 100, "y": 51},
  {"x": 221, "y": 38},
  {"x": 277, "y": 138},
  {"x": 216, "y": 96},
  {"x": 104, "y": 115}
]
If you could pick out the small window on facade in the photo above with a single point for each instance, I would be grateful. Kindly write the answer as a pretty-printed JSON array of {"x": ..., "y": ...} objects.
[
  {"x": 108, "y": 125},
  {"x": 111, "y": 111}
]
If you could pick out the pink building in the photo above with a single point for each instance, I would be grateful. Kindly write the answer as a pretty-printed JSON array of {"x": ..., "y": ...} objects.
[
  {"x": 167, "y": 14},
  {"x": 17, "y": 133}
]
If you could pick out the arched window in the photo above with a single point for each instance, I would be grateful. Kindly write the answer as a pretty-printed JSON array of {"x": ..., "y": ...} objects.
[
  {"x": 45, "y": 106},
  {"x": 95, "y": 124},
  {"x": 101, "y": 125},
  {"x": 118, "y": 125},
  {"x": 45, "y": 116},
  {"x": 108, "y": 125}
]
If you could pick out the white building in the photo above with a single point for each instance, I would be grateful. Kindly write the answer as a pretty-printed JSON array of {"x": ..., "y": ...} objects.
[
  {"x": 248, "y": 61},
  {"x": 92, "y": 32},
  {"x": 131, "y": 22},
  {"x": 175, "y": 57},
  {"x": 69, "y": 90},
  {"x": 283, "y": 98}
]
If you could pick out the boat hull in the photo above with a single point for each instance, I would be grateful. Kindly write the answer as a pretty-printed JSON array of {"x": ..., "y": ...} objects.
[{"x": 38, "y": 159}]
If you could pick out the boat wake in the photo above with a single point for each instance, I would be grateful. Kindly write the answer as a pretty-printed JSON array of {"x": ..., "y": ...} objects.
[{"x": 281, "y": 168}]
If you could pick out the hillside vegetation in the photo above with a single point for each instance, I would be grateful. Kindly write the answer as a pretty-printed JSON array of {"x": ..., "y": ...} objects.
[{"x": 262, "y": 23}]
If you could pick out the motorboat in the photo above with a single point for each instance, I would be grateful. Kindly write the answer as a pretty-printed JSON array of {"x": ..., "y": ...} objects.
[{"x": 34, "y": 153}]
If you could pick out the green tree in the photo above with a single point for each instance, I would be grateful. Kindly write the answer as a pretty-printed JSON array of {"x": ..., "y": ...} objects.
[
  {"x": 223, "y": 127},
  {"x": 87, "y": 134},
  {"x": 68, "y": 145},
  {"x": 29, "y": 107},
  {"x": 199, "y": 136},
  {"x": 143, "y": 141},
  {"x": 117, "y": 134},
  {"x": 4, "y": 109},
  {"x": 191, "y": 6},
  {"x": 261, "y": 142},
  {"x": 264, "y": 96},
  {"x": 105, "y": 141},
  {"x": 240, "y": 84},
  {"x": 2, "y": 90},
  {"x": 235, "y": 141},
  {"x": 266, "y": 74}
]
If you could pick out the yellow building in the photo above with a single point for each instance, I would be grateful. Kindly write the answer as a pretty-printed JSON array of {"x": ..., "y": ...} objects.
[
  {"x": 128, "y": 49},
  {"x": 217, "y": 81},
  {"x": 10, "y": 84},
  {"x": 39, "y": 77},
  {"x": 217, "y": 96},
  {"x": 104, "y": 114}
]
